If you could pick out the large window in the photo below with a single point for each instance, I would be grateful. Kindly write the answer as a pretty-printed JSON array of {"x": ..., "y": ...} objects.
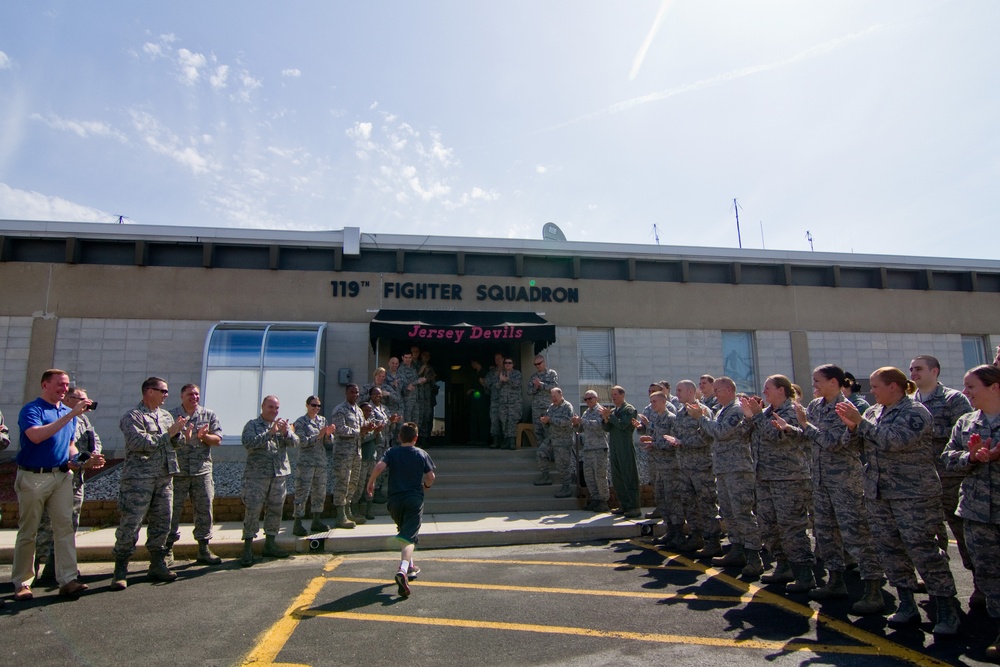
[
  {"x": 244, "y": 362},
  {"x": 739, "y": 361},
  {"x": 595, "y": 348},
  {"x": 974, "y": 351}
]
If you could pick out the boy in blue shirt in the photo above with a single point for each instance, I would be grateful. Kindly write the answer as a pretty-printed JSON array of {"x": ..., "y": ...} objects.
[{"x": 412, "y": 472}]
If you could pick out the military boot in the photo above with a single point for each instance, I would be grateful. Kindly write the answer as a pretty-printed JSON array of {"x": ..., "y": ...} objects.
[
  {"x": 947, "y": 615},
  {"x": 272, "y": 549},
  {"x": 564, "y": 491},
  {"x": 246, "y": 560},
  {"x": 205, "y": 555},
  {"x": 48, "y": 573},
  {"x": 369, "y": 513},
  {"x": 736, "y": 557},
  {"x": 168, "y": 556},
  {"x": 712, "y": 548},
  {"x": 158, "y": 569},
  {"x": 317, "y": 526},
  {"x": 601, "y": 507},
  {"x": 834, "y": 588},
  {"x": 544, "y": 479},
  {"x": 781, "y": 574},
  {"x": 906, "y": 611},
  {"x": 509, "y": 444},
  {"x": 671, "y": 538},
  {"x": 871, "y": 601},
  {"x": 298, "y": 530},
  {"x": 342, "y": 520},
  {"x": 754, "y": 567},
  {"x": 354, "y": 514},
  {"x": 690, "y": 544},
  {"x": 119, "y": 580},
  {"x": 992, "y": 651},
  {"x": 804, "y": 579}
]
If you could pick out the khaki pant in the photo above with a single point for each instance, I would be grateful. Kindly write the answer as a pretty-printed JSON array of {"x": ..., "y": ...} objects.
[{"x": 52, "y": 491}]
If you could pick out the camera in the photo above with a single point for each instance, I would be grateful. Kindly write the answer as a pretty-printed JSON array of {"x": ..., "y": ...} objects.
[{"x": 92, "y": 406}]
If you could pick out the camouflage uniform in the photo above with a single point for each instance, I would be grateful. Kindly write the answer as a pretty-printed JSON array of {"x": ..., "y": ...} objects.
[
  {"x": 493, "y": 389},
  {"x": 411, "y": 397},
  {"x": 647, "y": 471},
  {"x": 946, "y": 406},
  {"x": 194, "y": 459},
  {"x": 840, "y": 521},
  {"x": 383, "y": 440},
  {"x": 511, "y": 404},
  {"x": 146, "y": 488},
  {"x": 696, "y": 483},
  {"x": 733, "y": 466},
  {"x": 265, "y": 476},
  {"x": 979, "y": 504},
  {"x": 595, "y": 453},
  {"x": 783, "y": 484},
  {"x": 541, "y": 399},
  {"x": 663, "y": 460},
  {"x": 624, "y": 473},
  {"x": 904, "y": 507},
  {"x": 346, "y": 450},
  {"x": 391, "y": 404},
  {"x": 425, "y": 398},
  {"x": 370, "y": 455},
  {"x": 310, "y": 469},
  {"x": 561, "y": 435},
  {"x": 86, "y": 440}
]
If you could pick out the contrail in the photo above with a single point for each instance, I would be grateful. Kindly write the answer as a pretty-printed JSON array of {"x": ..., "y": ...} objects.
[
  {"x": 661, "y": 15},
  {"x": 806, "y": 54}
]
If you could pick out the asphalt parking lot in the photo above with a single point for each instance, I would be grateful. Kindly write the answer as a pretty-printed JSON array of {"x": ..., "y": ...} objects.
[{"x": 594, "y": 603}]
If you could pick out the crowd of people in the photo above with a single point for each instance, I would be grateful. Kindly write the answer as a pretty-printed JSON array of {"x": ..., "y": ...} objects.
[{"x": 831, "y": 481}]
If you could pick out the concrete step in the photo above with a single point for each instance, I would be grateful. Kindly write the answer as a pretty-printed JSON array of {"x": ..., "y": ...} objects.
[
  {"x": 500, "y": 506},
  {"x": 503, "y": 489}
]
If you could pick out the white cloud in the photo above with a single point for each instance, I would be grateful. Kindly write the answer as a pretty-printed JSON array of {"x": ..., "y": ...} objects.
[
  {"x": 4, "y": 61},
  {"x": 154, "y": 50},
  {"x": 18, "y": 204},
  {"x": 191, "y": 64},
  {"x": 163, "y": 141},
  {"x": 541, "y": 169},
  {"x": 249, "y": 84},
  {"x": 81, "y": 128},
  {"x": 293, "y": 72},
  {"x": 485, "y": 195},
  {"x": 218, "y": 79}
]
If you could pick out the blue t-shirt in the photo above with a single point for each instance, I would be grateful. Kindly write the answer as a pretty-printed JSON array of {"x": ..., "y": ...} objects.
[
  {"x": 407, "y": 465},
  {"x": 54, "y": 451}
]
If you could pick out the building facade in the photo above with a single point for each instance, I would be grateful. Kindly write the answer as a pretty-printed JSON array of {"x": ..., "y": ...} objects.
[{"x": 245, "y": 313}]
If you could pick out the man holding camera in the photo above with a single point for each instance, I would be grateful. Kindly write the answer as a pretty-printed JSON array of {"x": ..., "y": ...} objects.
[
  {"x": 87, "y": 443},
  {"x": 45, "y": 482}
]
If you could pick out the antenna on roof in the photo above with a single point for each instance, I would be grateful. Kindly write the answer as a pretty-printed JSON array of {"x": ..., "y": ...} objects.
[
  {"x": 737, "y": 207},
  {"x": 122, "y": 219},
  {"x": 656, "y": 233},
  {"x": 809, "y": 237},
  {"x": 551, "y": 232}
]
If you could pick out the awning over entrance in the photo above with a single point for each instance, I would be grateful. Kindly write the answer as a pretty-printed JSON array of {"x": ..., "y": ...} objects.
[{"x": 462, "y": 326}]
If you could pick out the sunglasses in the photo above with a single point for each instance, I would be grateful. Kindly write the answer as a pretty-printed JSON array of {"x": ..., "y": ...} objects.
[
  {"x": 162, "y": 391},
  {"x": 315, "y": 405}
]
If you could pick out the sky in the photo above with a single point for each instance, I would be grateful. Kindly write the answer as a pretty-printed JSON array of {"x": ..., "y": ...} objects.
[{"x": 871, "y": 126}]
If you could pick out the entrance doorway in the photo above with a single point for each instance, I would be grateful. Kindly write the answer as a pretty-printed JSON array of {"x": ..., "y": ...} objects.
[{"x": 460, "y": 398}]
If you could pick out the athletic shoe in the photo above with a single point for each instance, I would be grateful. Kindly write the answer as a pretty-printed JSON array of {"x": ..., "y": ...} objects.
[
  {"x": 412, "y": 572},
  {"x": 402, "y": 584}
]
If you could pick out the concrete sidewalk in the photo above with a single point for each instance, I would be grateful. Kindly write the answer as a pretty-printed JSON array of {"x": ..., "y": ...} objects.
[{"x": 439, "y": 531}]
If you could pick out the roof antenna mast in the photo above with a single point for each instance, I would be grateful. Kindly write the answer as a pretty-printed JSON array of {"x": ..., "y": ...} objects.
[{"x": 737, "y": 207}]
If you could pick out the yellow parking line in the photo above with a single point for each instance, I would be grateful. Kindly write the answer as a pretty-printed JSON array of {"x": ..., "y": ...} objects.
[
  {"x": 883, "y": 645},
  {"x": 563, "y": 591},
  {"x": 793, "y": 645},
  {"x": 274, "y": 638},
  {"x": 497, "y": 561}
]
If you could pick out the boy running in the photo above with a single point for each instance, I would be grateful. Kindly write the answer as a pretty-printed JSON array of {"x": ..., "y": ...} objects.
[{"x": 412, "y": 471}]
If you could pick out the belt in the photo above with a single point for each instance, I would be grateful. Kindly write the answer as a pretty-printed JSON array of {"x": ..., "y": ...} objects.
[{"x": 39, "y": 471}]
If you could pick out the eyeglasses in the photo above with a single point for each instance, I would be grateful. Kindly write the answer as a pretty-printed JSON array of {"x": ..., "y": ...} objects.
[
  {"x": 589, "y": 398},
  {"x": 162, "y": 391},
  {"x": 315, "y": 405}
]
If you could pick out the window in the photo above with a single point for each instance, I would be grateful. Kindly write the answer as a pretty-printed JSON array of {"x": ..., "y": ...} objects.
[
  {"x": 597, "y": 361},
  {"x": 246, "y": 361},
  {"x": 974, "y": 351},
  {"x": 738, "y": 360}
]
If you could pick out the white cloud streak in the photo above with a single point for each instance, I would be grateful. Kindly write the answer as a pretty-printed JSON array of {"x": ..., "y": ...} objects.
[
  {"x": 4, "y": 61},
  {"x": 163, "y": 141},
  {"x": 293, "y": 72},
  {"x": 81, "y": 128},
  {"x": 806, "y": 54},
  {"x": 18, "y": 204},
  {"x": 640, "y": 56}
]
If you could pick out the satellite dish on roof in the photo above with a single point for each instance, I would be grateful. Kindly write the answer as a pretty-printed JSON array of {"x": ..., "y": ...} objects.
[{"x": 551, "y": 232}]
